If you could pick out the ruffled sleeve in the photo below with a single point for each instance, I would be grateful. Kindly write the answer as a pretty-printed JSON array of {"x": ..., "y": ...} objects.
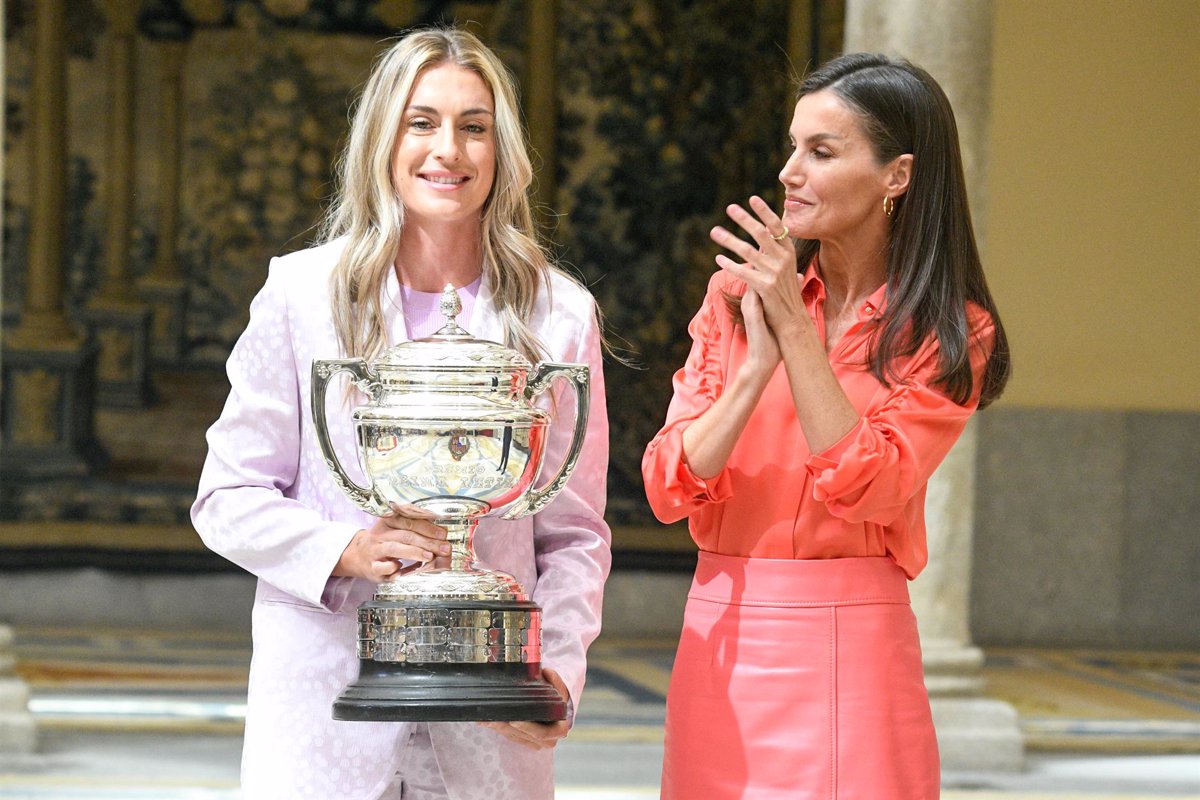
[
  {"x": 873, "y": 471},
  {"x": 673, "y": 490}
]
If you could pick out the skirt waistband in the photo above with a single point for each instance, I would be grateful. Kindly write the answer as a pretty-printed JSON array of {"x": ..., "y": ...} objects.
[{"x": 798, "y": 582}]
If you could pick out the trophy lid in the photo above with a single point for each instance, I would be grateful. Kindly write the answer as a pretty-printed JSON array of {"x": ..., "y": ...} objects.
[{"x": 452, "y": 348}]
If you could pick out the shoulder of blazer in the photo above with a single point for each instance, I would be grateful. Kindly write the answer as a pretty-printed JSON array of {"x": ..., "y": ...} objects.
[
  {"x": 312, "y": 262},
  {"x": 301, "y": 281},
  {"x": 567, "y": 300}
]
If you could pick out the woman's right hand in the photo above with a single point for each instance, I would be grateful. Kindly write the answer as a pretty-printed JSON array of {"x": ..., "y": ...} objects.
[
  {"x": 762, "y": 353},
  {"x": 375, "y": 553}
]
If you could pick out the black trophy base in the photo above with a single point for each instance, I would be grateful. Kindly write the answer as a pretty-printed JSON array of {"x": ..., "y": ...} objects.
[{"x": 434, "y": 692}]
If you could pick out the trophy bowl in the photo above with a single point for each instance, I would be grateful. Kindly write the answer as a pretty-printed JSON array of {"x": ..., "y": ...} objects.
[{"x": 450, "y": 429}]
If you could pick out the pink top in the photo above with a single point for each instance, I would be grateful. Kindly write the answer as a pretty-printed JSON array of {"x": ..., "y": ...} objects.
[
  {"x": 864, "y": 496},
  {"x": 422, "y": 310}
]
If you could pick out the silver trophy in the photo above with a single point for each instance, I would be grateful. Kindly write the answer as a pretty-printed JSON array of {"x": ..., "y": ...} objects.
[{"x": 450, "y": 429}]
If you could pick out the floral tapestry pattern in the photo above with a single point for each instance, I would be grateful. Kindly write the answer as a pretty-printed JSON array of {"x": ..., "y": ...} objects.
[
  {"x": 677, "y": 110},
  {"x": 666, "y": 112}
]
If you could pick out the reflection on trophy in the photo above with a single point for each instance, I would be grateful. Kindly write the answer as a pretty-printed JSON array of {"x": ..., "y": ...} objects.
[{"x": 450, "y": 429}]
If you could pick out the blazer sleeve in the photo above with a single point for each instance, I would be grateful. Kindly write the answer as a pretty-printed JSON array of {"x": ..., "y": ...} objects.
[
  {"x": 672, "y": 489},
  {"x": 872, "y": 472},
  {"x": 242, "y": 509},
  {"x": 571, "y": 540}
]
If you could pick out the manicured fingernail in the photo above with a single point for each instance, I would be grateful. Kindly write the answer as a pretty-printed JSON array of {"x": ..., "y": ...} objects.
[{"x": 445, "y": 549}]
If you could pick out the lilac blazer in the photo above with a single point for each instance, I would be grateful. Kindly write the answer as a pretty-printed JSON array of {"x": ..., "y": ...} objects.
[{"x": 267, "y": 502}]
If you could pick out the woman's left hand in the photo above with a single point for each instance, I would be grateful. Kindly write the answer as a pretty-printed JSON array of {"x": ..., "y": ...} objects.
[
  {"x": 537, "y": 735},
  {"x": 770, "y": 270}
]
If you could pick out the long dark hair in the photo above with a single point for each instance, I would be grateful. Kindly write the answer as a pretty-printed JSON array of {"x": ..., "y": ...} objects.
[{"x": 933, "y": 266}]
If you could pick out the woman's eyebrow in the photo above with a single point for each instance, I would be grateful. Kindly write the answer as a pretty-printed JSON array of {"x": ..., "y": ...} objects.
[
  {"x": 467, "y": 112},
  {"x": 817, "y": 137}
]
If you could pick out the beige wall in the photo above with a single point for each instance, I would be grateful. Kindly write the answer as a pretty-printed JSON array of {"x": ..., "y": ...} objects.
[{"x": 1093, "y": 229}]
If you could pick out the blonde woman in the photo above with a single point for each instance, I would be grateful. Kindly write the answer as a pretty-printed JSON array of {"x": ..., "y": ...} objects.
[{"x": 433, "y": 190}]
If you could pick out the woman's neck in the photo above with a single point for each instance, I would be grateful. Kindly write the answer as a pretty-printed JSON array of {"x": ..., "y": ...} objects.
[
  {"x": 852, "y": 270},
  {"x": 430, "y": 256}
]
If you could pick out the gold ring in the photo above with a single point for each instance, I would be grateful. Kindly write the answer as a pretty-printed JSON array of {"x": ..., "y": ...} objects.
[{"x": 783, "y": 234}]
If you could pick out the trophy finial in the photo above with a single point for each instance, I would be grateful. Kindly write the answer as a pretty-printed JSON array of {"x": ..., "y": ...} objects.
[{"x": 450, "y": 306}]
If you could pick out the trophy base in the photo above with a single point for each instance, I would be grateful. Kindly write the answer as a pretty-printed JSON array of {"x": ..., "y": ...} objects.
[
  {"x": 449, "y": 658},
  {"x": 431, "y": 692}
]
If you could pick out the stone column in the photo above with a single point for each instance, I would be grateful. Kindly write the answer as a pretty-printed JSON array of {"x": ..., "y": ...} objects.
[
  {"x": 164, "y": 287},
  {"x": 951, "y": 39},
  {"x": 48, "y": 367},
  {"x": 541, "y": 105},
  {"x": 18, "y": 731},
  {"x": 119, "y": 318}
]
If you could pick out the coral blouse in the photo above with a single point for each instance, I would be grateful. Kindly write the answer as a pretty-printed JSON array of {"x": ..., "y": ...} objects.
[{"x": 863, "y": 496}]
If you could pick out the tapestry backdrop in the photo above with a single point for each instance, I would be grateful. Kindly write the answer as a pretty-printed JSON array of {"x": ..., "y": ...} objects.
[{"x": 666, "y": 112}]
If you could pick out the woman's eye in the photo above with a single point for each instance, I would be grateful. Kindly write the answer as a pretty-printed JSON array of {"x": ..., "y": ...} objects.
[
  {"x": 420, "y": 124},
  {"x": 822, "y": 153},
  {"x": 475, "y": 129}
]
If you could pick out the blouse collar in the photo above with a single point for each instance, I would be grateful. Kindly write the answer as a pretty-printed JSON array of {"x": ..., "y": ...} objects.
[{"x": 813, "y": 288}]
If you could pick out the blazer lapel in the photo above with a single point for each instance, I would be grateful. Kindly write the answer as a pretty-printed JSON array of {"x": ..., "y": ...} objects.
[{"x": 392, "y": 303}]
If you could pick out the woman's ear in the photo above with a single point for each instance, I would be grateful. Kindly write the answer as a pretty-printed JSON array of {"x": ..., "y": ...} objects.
[{"x": 899, "y": 175}]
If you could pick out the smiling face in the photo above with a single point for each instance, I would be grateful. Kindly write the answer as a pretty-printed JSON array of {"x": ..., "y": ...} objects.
[
  {"x": 833, "y": 182},
  {"x": 445, "y": 158}
]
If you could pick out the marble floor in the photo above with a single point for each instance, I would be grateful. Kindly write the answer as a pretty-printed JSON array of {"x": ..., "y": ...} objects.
[{"x": 127, "y": 714}]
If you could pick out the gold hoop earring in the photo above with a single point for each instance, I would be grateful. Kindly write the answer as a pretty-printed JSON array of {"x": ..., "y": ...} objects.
[{"x": 888, "y": 205}]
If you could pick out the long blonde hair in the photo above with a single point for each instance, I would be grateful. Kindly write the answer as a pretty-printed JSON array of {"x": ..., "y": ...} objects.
[{"x": 368, "y": 211}]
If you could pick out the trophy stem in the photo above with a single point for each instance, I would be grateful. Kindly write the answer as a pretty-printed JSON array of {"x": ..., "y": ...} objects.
[{"x": 461, "y": 535}]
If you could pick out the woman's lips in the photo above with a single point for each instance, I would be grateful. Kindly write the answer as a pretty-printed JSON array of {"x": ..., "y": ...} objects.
[{"x": 443, "y": 182}]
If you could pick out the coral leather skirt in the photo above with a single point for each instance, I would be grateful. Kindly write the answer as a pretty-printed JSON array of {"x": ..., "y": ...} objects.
[{"x": 799, "y": 679}]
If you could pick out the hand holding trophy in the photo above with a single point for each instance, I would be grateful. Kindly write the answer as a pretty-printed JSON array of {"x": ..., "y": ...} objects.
[{"x": 450, "y": 430}]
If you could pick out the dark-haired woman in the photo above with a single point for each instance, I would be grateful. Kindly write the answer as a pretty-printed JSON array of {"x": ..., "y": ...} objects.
[{"x": 835, "y": 361}]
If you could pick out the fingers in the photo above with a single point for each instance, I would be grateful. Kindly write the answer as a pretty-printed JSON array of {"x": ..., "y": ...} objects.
[
  {"x": 386, "y": 540},
  {"x": 552, "y": 677},
  {"x": 420, "y": 523},
  {"x": 767, "y": 229},
  {"x": 537, "y": 735},
  {"x": 534, "y": 735},
  {"x": 770, "y": 220},
  {"x": 386, "y": 570},
  {"x": 754, "y": 317},
  {"x": 733, "y": 244},
  {"x": 412, "y": 548},
  {"x": 409, "y": 510},
  {"x": 376, "y": 553},
  {"x": 751, "y": 306},
  {"x": 763, "y": 348},
  {"x": 774, "y": 254}
]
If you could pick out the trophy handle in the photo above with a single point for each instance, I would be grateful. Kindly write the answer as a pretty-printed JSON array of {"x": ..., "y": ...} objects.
[
  {"x": 579, "y": 376},
  {"x": 365, "y": 497}
]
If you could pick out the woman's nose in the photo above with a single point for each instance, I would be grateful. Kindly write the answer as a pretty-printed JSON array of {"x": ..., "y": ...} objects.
[
  {"x": 791, "y": 174},
  {"x": 447, "y": 147}
]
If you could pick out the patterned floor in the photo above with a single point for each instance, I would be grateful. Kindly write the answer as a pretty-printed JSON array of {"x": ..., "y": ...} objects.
[
  {"x": 1101, "y": 701},
  {"x": 142, "y": 715},
  {"x": 187, "y": 680}
]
